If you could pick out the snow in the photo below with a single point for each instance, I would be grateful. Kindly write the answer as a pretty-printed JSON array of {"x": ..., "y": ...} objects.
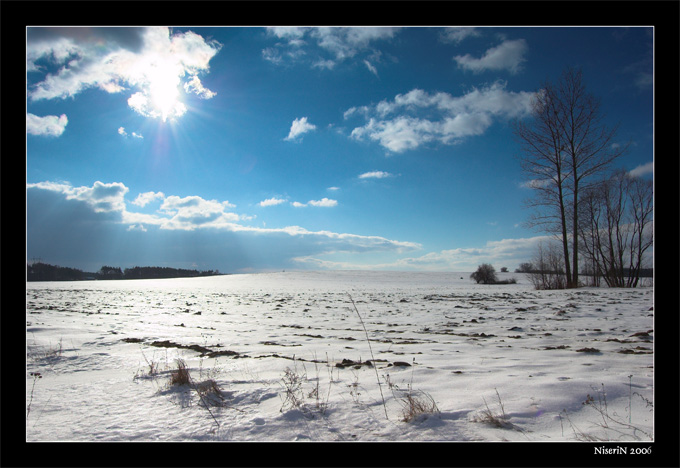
[{"x": 489, "y": 362}]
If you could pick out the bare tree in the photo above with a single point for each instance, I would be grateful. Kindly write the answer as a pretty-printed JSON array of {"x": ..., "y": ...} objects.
[
  {"x": 548, "y": 270},
  {"x": 563, "y": 148},
  {"x": 616, "y": 228}
]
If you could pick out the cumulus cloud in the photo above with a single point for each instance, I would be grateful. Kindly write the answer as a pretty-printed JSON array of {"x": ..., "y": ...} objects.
[
  {"x": 145, "y": 198},
  {"x": 298, "y": 128},
  {"x": 215, "y": 233},
  {"x": 418, "y": 117},
  {"x": 509, "y": 55},
  {"x": 49, "y": 125},
  {"x": 193, "y": 211},
  {"x": 102, "y": 197},
  {"x": 153, "y": 64},
  {"x": 324, "y": 202}
]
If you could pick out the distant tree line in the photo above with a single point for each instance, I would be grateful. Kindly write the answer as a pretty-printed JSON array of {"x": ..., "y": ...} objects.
[
  {"x": 163, "y": 272},
  {"x": 45, "y": 272}
]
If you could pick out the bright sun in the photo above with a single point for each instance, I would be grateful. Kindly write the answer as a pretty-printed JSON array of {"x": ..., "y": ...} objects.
[{"x": 164, "y": 96}]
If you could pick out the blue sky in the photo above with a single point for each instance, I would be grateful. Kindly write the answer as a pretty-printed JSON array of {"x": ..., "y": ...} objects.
[{"x": 255, "y": 149}]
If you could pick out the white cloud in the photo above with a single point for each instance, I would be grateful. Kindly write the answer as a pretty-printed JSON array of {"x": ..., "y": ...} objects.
[
  {"x": 299, "y": 127},
  {"x": 326, "y": 47},
  {"x": 272, "y": 201},
  {"x": 375, "y": 175},
  {"x": 371, "y": 67},
  {"x": 102, "y": 197},
  {"x": 399, "y": 134},
  {"x": 509, "y": 55},
  {"x": 191, "y": 212},
  {"x": 58, "y": 50},
  {"x": 506, "y": 252},
  {"x": 195, "y": 86},
  {"x": 347, "y": 42},
  {"x": 145, "y": 198},
  {"x": 49, "y": 125},
  {"x": 123, "y": 132},
  {"x": 536, "y": 183},
  {"x": 287, "y": 32},
  {"x": 458, "y": 34},
  {"x": 144, "y": 105},
  {"x": 90, "y": 58},
  {"x": 194, "y": 213},
  {"x": 324, "y": 202},
  {"x": 398, "y": 125},
  {"x": 137, "y": 227},
  {"x": 642, "y": 170}
]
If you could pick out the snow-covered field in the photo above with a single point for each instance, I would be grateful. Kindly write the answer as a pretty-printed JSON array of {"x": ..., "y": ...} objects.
[{"x": 269, "y": 360}]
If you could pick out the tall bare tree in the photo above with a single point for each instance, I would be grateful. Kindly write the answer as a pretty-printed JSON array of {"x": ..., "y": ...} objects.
[{"x": 563, "y": 148}]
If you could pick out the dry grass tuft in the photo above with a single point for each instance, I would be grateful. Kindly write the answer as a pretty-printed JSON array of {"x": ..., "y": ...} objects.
[
  {"x": 499, "y": 420},
  {"x": 417, "y": 404},
  {"x": 36, "y": 352},
  {"x": 181, "y": 375}
]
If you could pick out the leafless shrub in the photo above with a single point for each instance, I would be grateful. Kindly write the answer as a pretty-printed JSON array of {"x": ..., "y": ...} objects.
[
  {"x": 549, "y": 268},
  {"x": 292, "y": 385},
  {"x": 298, "y": 388}
]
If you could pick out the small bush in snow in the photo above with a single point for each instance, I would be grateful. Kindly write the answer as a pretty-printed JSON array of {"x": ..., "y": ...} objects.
[{"x": 485, "y": 274}]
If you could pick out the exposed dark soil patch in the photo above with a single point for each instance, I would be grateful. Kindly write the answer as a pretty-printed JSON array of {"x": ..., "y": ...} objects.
[{"x": 202, "y": 350}]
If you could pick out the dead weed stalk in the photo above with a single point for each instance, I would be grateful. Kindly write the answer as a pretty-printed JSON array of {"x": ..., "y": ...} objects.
[{"x": 368, "y": 340}]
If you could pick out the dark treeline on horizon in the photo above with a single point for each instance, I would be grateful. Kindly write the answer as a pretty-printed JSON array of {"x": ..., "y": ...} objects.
[
  {"x": 45, "y": 272},
  {"x": 529, "y": 268}
]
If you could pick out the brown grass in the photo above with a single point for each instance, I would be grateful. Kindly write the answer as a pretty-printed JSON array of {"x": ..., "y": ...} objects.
[
  {"x": 181, "y": 375},
  {"x": 417, "y": 404}
]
